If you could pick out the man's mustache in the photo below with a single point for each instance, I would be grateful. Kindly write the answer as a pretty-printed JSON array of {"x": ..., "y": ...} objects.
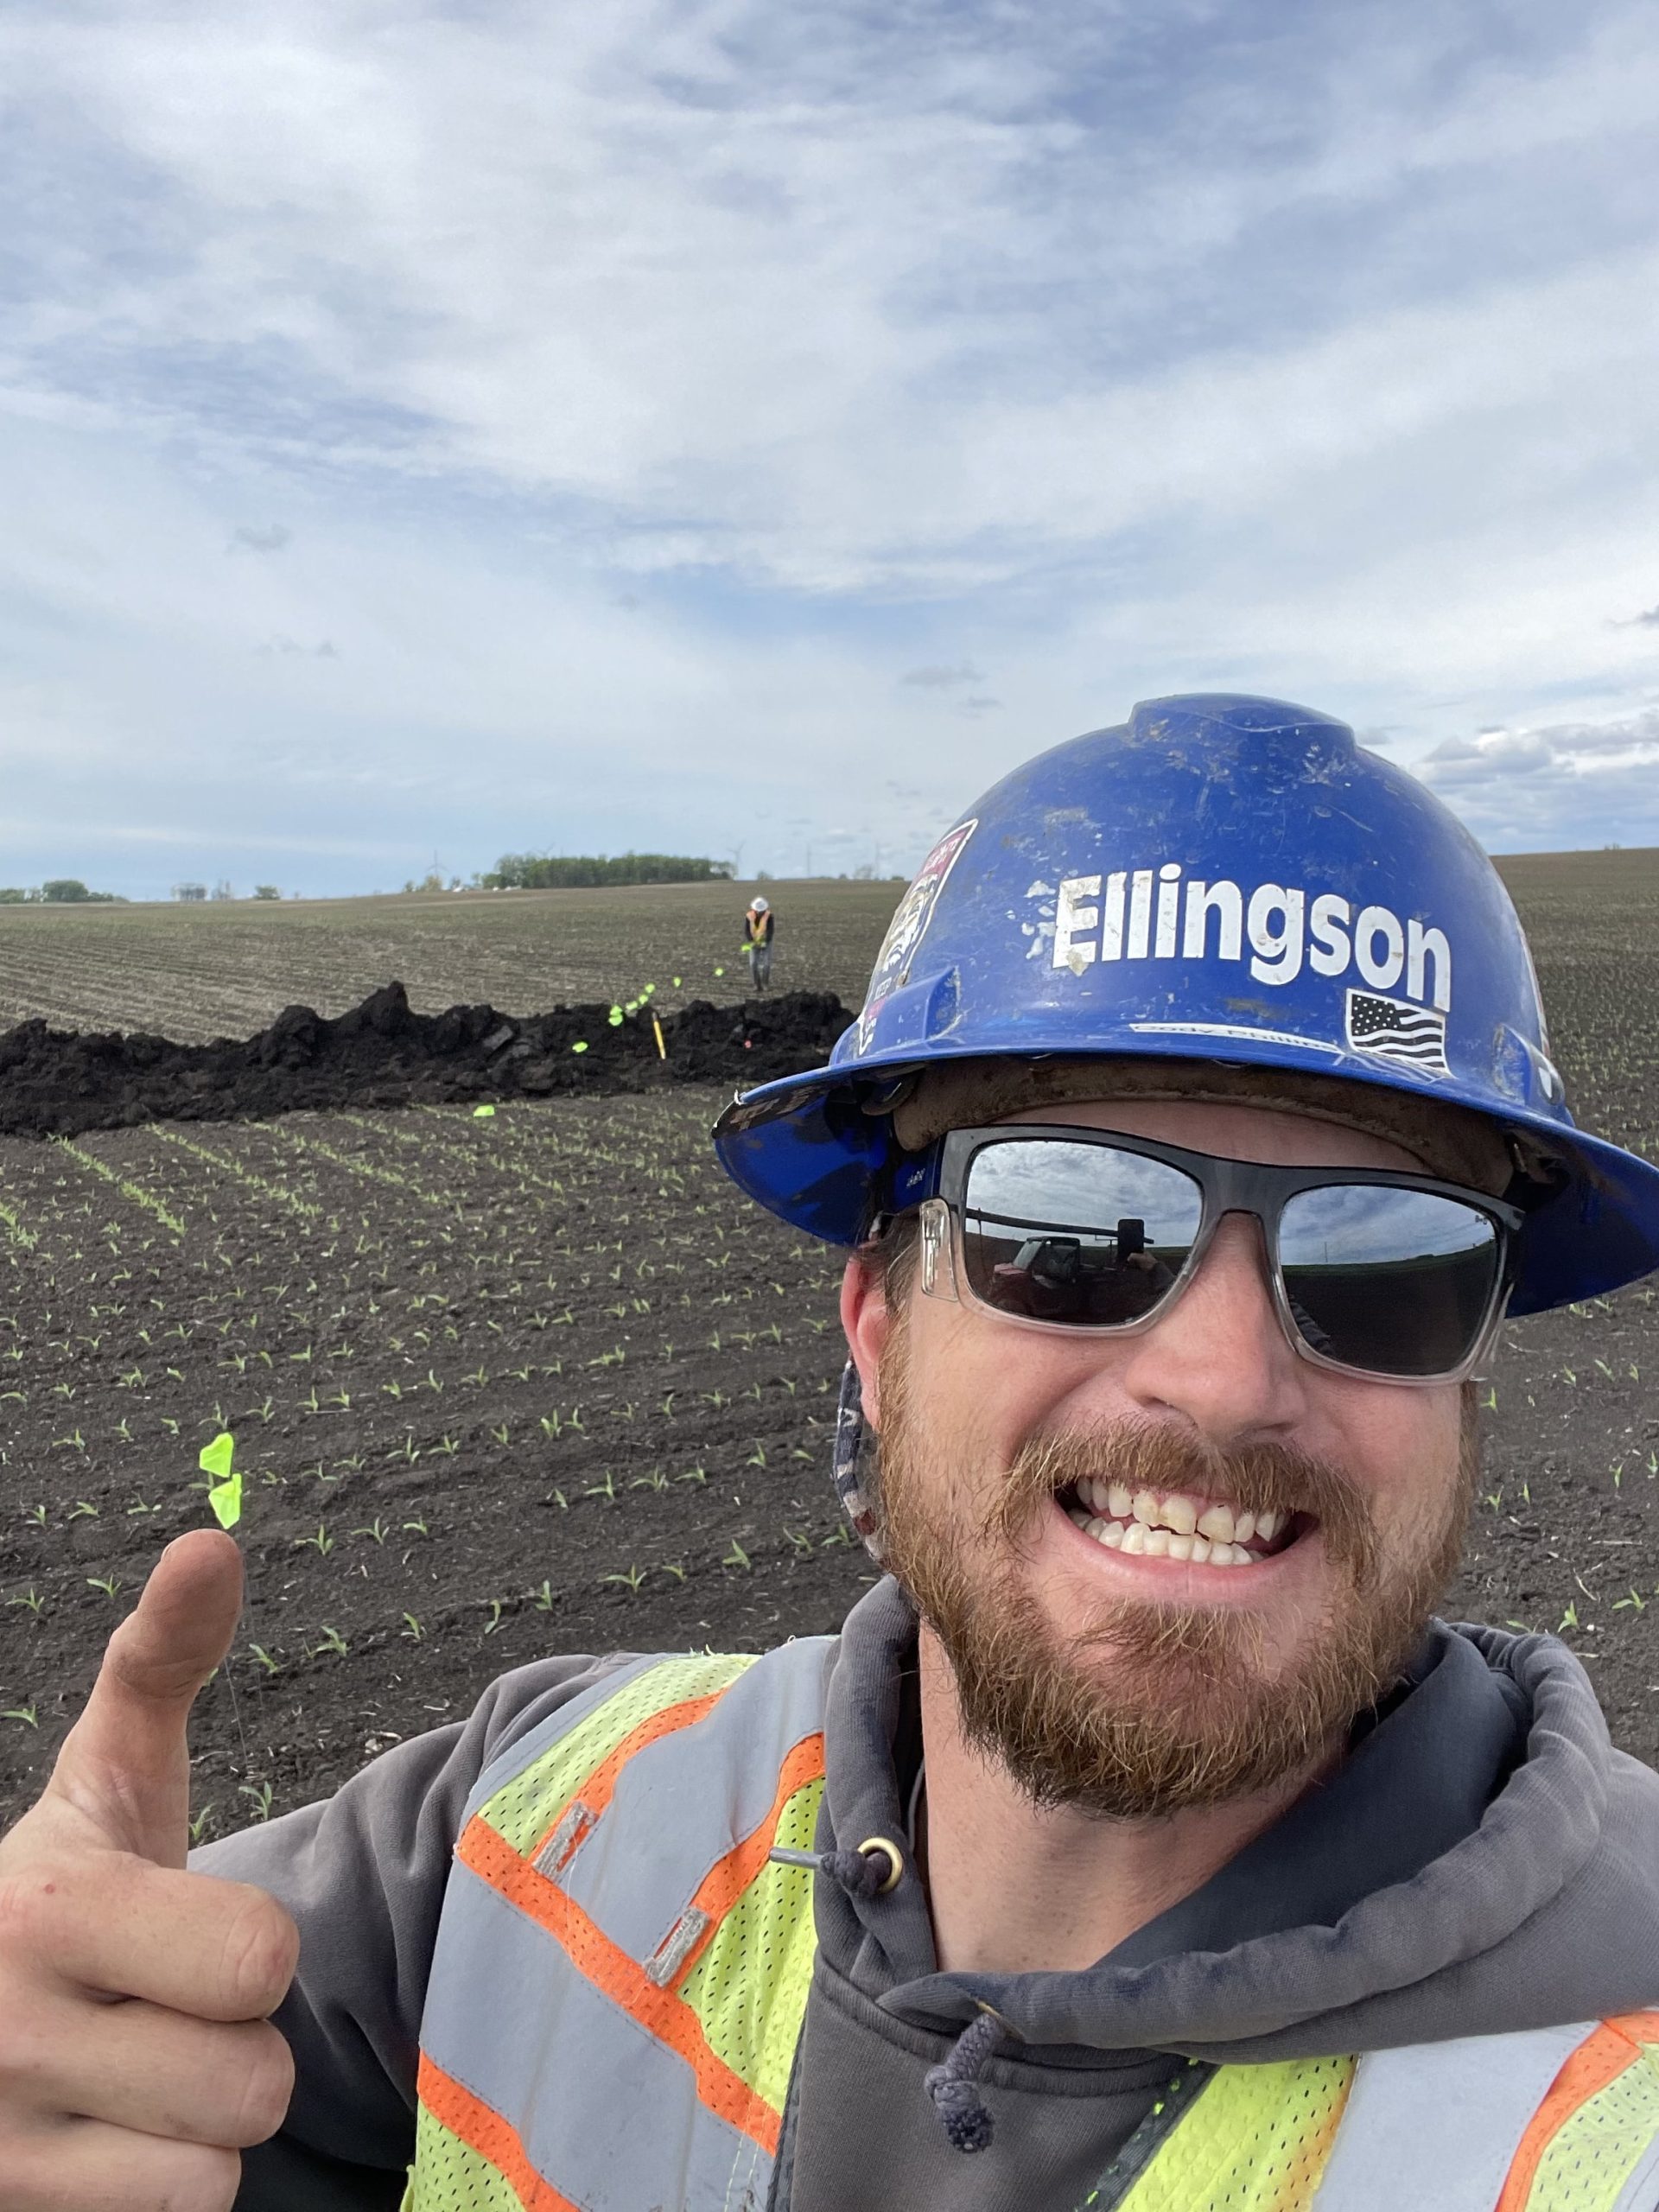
[{"x": 1264, "y": 1477}]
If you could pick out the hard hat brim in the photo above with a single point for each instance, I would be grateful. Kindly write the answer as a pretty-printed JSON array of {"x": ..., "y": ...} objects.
[{"x": 813, "y": 1149}]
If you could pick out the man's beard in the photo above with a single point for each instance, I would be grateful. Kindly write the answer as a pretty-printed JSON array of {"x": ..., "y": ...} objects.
[{"x": 1152, "y": 1707}]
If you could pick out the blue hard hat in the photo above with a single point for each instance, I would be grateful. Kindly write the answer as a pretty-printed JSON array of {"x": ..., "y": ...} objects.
[{"x": 1221, "y": 879}]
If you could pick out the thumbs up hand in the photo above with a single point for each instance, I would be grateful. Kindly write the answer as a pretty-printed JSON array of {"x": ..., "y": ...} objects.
[{"x": 137, "y": 2057}]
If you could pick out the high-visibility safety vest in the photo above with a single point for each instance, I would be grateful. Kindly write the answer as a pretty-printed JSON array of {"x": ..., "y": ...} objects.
[{"x": 621, "y": 1973}]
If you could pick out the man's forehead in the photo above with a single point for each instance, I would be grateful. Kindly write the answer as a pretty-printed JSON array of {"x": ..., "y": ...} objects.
[
  {"x": 1448, "y": 1142},
  {"x": 1230, "y": 1129}
]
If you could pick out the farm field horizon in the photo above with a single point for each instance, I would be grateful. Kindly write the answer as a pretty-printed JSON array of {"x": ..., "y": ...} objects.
[
  {"x": 193, "y": 972},
  {"x": 542, "y": 1382}
]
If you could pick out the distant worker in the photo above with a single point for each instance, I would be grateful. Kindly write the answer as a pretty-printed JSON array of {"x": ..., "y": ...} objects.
[{"x": 757, "y": 938}]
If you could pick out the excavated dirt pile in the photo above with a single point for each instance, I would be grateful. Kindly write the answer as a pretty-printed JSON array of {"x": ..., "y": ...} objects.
[{"x": 54, "y": 1082}]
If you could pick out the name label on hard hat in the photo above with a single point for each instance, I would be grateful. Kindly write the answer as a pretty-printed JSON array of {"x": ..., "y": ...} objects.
[
  {"x": 1160, "y": 913},
  {"x": 1150, "y": 913}
]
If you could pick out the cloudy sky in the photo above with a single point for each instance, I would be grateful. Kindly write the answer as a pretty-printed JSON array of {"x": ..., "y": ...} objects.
[{"x": 434, "y": 430}]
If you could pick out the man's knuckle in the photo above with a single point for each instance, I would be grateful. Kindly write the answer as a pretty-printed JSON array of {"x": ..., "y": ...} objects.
[
  {"x": 20, "y": 2044},
  {"x": 33, "y": 1901},
  {"x": 201, "y": 2179},
  {"x": 267, "y": 2088},
  {"x": 176, "y": 2178},
  {"x": 259, "y": 1955}
]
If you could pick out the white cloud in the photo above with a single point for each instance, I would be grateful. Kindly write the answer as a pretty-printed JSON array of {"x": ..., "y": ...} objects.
[
  {"x": 1571, "y": 785},
  {"x": 650, "y": 419}
]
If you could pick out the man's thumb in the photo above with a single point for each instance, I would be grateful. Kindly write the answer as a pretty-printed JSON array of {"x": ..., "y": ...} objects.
[{"x": 125, "y": 1764}]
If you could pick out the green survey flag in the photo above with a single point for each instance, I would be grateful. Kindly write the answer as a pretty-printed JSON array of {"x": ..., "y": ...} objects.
[
  {"x": 225, "y": 1495},
  {"x": 483, "y": 1113}
]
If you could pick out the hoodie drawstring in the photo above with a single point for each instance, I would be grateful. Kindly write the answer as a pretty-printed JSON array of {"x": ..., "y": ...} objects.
[
  {"x": 875, "y": 1867},
  {"x": 954, "y": 2087}
]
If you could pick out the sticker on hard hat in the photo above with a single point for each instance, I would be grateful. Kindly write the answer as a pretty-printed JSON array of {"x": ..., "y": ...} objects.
[
  {"x": 909, "y": 927},
  {"x": 1251, "y": 1031},
  {"x": 1150, "y": 913},
  {"x": 1398, "y": 1031}
]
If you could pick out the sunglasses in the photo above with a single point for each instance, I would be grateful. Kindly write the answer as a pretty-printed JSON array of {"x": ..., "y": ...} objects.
[{"x": 1397, "y": 1277}]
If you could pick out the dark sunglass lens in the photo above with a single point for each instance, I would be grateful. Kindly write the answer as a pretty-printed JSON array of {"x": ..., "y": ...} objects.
[
  {"x": 1084, "y": 1233},
  {"x": 1392, "y": 1281}
]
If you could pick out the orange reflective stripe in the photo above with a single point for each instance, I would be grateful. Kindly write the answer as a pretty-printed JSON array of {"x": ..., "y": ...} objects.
[
  {"x": 484, "y": 2130},
  {"x": 601, "y": 1786},
  {"x": 727, "y": 1879},
  {"x": 617, "y": 1976},
  {"x": 1599, "y": 2059}
]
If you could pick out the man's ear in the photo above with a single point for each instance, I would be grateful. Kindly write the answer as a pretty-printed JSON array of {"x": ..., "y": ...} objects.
[{"x": 868, "y": 1319}]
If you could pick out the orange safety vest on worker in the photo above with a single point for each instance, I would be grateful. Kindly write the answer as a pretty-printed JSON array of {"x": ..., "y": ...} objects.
[{"x": 621, "y": 1975}]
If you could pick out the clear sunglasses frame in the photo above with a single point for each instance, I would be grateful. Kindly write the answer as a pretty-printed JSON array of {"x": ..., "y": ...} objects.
[{"x": 1228, "y": 1186}]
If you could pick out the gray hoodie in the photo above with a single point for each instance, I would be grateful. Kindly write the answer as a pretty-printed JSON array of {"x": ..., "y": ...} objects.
[{"x": 1483, "y": 1860}]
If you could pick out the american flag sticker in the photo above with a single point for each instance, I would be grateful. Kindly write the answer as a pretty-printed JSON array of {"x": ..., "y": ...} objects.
[{"x": 1395, "y": 1029}]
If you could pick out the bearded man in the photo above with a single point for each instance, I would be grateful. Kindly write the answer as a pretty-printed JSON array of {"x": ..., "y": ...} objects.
[{"x": 1143, "y": 1841}]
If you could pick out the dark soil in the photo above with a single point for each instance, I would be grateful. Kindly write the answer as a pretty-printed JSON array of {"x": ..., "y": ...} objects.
[
  {"x": 533, "y": 1384},
  {"x": 57, "y": 1083},
  {"x": 543, "y": 1383}
]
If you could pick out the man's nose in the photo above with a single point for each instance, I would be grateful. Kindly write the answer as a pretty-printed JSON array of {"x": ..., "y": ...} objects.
[{"x": 1219, "y": 1355}]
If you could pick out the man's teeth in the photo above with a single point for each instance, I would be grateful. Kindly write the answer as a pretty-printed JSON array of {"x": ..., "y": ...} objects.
[{"x": 1171, "y": 1524}]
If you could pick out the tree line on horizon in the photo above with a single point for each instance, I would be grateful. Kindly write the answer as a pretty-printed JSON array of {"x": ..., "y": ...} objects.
[
  {"x": 585, "y": 871},
  {"x": 59, "y": 891}
]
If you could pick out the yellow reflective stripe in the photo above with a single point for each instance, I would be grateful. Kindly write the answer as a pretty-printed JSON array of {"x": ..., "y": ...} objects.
[
  {"x": 1595, "y": 2151},
  {"x": 749, "y": 1988},
  {"x": 1256, "y": 2141},
  {"x": 527, "y": 1805},
  {"x": 448, "y": 2173}
]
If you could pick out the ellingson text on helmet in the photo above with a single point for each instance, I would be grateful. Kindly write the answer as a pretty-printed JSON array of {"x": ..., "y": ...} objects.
[{"x": 1150, "y": 913}]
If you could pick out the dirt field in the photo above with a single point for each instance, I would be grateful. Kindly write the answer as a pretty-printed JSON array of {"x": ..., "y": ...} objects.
[
  {"x": 197, "y": 972},
  {"x": 538, "y": 1382}
]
